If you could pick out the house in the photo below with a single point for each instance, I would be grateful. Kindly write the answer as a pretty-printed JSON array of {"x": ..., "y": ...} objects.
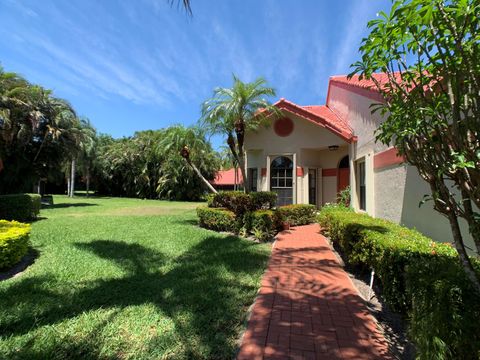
[
  {"x": 310, "y": 153},
  {"x": 227, "y": 179}
]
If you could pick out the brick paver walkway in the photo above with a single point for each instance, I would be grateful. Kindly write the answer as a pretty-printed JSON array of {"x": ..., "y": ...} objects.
[{"x": 308, "y": 308}]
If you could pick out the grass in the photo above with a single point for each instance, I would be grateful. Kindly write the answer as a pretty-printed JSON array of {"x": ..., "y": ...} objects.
[{"x": 128, "y": 279}]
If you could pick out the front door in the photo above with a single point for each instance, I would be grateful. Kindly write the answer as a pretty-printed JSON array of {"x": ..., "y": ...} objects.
[{"x": 281, "y": 179}]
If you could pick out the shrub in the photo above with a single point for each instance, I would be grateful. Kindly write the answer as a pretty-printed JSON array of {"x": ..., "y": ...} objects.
[
  {"x": 236, "y": 201},
  {"x": 297, "y": 214},
  {"x": 419, "y": 277},
  {"x": 216, "y": 219},
  {"x": 343, "y": 197},
  {"x": 264, "y": 224},
  {"x": 14, "y": 241},
  {"x": 263, "y": 200},
  {"x": 240, "y": 202},
  {"x": 445, "y": 310},
  {"x": 20, "y": 207}
]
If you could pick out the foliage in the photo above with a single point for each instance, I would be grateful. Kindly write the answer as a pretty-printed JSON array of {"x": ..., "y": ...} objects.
[
  {"x": 14, "y": 242},
  {"x": 217, "y": 219},
  {"x": 344, "y": 196},
  {"x": 252, "y": 212},
  {"x": 241, "y": 203},
  {"x": 445, "y": 306},
  {"x": 37, "y": 132},
  {"x": 297, "y": 214},
  {"x": 130, "y": 278},
  {"x": 419, "y": 277},
  {"x": 429, "y": 52},
  {"x": 20, "y": 207},
  {"x": 149, "y": 165},
  {"x": 263, "y": 200},
  {"x": 264, "y": 224},
  {"x": 233, "y": 111}
]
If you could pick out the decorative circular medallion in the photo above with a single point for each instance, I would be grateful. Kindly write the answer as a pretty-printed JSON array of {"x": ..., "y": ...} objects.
[{"x": 283, "y": 127}]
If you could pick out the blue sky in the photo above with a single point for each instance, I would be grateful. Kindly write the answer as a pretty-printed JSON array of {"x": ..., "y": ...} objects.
[{"x": 142, "y": 64}]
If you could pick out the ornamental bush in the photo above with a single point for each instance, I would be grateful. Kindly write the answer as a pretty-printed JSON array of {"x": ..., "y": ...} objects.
[
  {"x": 297, "y": 214},
  {"x": 14, "y": 242},
  {"x": 262, "y": 200},
  {"x": 217, "y": 219},
  {"x": 420, "y": 278},
  {"x": 262, "y": 224},
  {"x": 20, "y": 207},
  {"x": 241, "y": 203}
]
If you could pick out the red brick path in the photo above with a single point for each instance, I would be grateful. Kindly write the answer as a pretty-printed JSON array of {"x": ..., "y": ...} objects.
[{"x": 308, "y": 308}]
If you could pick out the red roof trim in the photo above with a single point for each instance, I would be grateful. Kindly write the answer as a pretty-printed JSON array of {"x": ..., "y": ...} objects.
[
  {"x": 369, "y": 93},
  {"x": 316, "y": 118}
]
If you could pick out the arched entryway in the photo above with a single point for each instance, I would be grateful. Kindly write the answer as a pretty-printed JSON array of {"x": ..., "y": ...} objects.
[
  {"x": 281, "y": 179},
  {"x": 343, "y": 174}
]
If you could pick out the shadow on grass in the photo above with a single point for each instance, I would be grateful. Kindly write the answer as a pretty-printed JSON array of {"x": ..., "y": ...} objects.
[
  {"x": 67, "y": 205},
  {"x": 201, "y": 293},
  {"x": 21, "y": 266},
  {"x": 193, "y": 222}
]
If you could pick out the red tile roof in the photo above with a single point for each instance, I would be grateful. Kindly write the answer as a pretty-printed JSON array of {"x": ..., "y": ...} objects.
[
  {"x": 382, "y": 78},
  {"x": 227, "y": 177},
  {"x": 320, "y": 115}
]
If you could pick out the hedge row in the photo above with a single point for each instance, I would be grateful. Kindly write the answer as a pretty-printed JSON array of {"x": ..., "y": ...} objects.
[
  {"x": 420, "y": 278},
  {"x": 240, "y": 202},
  {"x": 20, "y": 207},
  {"x": 217, "y": 219},
  {"x": 14, "y": 241},
  {"x": 252, "y": 213},
  {"x": 297, "y": 214}
]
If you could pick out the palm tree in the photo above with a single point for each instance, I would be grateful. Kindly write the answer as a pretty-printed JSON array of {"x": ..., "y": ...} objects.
[
  {"x": 88, "y": 147},
  {"x": 186, "y": 140},
  {"x": 233, "y": 111}
]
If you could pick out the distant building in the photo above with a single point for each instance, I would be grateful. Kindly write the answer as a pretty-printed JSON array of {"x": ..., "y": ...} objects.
[{"x": 226, "y": 180}]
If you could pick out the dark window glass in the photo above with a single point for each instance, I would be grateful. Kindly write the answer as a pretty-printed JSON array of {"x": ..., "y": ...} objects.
[
  {"x": 253, "y": 178},
  {"x": 312, "y": 186},
  {"x": 362, "y": 189}
]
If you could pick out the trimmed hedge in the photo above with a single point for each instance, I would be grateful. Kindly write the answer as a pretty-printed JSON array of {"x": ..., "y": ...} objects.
[
  {"x": 20, "y": 207},
  {"x": 298, "y": 214},
  {"x": 420, "y": 278},
  {"x": 240, "y": 202},
  {"x": 253, "y": 213},
  {"x": 217, "y": 219},
  {"x": 14, "y": 242}
]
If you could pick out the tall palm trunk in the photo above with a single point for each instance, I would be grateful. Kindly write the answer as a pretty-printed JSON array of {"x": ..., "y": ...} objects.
[
  {"x": 72, "y": 179},
  {"x": 68, "y": 186},
  {"x": 235, "y": 168},
  {"x": 185, "y": 153}
]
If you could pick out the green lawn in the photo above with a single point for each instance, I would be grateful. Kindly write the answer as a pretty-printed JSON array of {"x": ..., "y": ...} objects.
[{"x": 128, "y": 279}]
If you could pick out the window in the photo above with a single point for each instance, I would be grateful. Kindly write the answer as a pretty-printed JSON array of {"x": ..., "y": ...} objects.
[
  {"x": 362, "y": 190},
  {"x": 312, "y": 186},
  {"x": 253, "y": 178},
  {"x": 281, "y": 179}
]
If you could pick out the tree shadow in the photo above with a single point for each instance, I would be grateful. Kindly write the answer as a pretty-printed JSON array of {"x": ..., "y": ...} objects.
[
  {"x": 23, "y": 264},
  {"x": 67, "y": 205},
  {"x": 200, "y": 291}
]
